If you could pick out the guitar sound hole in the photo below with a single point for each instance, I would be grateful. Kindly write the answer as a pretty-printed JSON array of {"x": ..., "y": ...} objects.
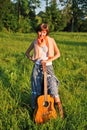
[{"x": 46, "y": 104}]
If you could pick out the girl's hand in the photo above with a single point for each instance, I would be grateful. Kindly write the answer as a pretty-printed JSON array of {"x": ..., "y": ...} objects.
[
  {"x": 43, "y": 61},
  {"x": 40, "y": 40},
  {"x": 32, "y": 58},
  {"x": 46, "y": 61}
]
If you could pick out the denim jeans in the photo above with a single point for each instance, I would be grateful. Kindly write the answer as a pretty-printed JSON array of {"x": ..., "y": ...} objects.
[{"x": 37, "y": 83}]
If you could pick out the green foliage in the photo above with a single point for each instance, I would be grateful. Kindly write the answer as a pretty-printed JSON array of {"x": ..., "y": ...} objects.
[
  {"x": 69, "y": 18},
  {"x": 15, "y": 85},
  {"x": 54, "y": 18},
  {"x": 83, "y": 26},
  {"x": 24, "y": 25}
]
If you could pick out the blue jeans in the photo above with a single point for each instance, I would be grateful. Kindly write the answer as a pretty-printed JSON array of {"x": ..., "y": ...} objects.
[{"x": 37, "y": 83}]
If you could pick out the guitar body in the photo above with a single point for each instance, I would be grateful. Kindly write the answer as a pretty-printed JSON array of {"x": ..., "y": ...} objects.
[{"x": 45, "y": 109}]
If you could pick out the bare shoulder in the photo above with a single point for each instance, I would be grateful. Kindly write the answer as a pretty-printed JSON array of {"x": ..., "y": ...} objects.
[
  {"x": 51, "y": 40},
  {"x": 34, "y": 41}
]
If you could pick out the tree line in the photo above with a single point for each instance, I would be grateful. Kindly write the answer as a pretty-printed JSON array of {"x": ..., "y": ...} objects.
[{"x": 20, "y": 15}]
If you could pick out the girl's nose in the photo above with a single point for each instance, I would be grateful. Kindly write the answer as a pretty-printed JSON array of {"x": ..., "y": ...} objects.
[{"x": 42, "y": 34}]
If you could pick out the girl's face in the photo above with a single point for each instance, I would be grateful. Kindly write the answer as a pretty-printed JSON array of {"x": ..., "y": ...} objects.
[{"x": 42, "y": 34}]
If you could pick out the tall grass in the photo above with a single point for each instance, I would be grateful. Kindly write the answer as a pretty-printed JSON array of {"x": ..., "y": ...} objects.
[{"x": 15, "y": 85}]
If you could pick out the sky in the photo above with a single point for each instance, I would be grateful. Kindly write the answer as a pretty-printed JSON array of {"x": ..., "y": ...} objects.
[
  {"x": 43, "y": 4},
  {"x": 42, "y": 8}
]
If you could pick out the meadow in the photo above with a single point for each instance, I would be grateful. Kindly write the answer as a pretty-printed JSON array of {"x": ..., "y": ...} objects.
[{"x": 15, "y": 85}]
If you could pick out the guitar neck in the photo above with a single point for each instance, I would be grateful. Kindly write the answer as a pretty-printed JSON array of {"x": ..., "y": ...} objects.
[{"x": 45, "y": 86}]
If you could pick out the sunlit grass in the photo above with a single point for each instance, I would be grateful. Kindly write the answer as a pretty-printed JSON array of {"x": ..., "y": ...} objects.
[{"x": 15, "y": 85}]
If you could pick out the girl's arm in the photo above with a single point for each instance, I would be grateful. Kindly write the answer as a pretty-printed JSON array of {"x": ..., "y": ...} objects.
[
  {"x": 27, "y": 53},
  {"x": 56, "y": 53}
]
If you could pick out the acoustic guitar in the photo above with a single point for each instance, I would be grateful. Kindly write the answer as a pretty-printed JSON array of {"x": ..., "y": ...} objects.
[{"x": 45, "y": 110}]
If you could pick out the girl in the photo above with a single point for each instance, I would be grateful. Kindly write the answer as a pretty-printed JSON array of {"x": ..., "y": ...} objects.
[{"x": 45, "y": 52}]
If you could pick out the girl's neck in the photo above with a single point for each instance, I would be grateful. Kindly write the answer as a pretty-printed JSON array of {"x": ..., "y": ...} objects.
[{"x": 42, "y": 43}]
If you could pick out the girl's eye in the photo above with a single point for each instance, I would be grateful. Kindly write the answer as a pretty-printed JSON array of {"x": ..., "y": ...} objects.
[{"x": 44, "y": 32}]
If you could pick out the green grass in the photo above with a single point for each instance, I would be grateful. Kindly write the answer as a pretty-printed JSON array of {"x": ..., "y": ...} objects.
[{"x": 15, "y": 86}]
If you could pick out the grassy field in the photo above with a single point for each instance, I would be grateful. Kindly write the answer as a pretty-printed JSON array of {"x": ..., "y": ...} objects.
[{"x": 15, "y": 86}]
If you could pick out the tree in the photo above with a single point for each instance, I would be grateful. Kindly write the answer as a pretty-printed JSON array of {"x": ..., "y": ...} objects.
[
  {"x": 26, "y": 10},
  {"x": 7, "y": 15},
  {"x": 54, "y": 17},
  {"x": 3, "y": 10},
  {"x": 75, "y": 12},
  {"x": 83, "y": 6},
  {"x": 18, "y": 14}
]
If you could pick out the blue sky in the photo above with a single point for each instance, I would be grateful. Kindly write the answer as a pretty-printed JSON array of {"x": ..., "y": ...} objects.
[
  {"x": 42, "y": 8},
  {"x": 43, "y": 4}
]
